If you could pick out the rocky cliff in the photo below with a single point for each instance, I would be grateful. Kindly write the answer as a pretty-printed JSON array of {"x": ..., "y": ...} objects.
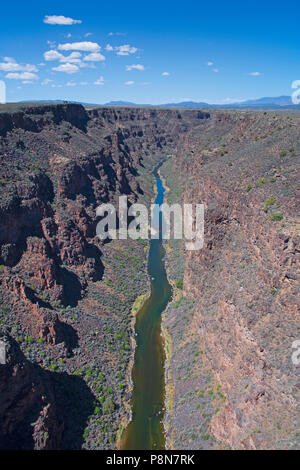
[
  {"x": 65, "y": 297},
  {"x": 232, "y": 382}
]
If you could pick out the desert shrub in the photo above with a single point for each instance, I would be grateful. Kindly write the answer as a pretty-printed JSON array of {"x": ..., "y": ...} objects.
[
  {"x": 269, "y": 202},
  {"x": 261, "y": 181},
  {"x": 108, "y": 406},
  {"x": 276, "y": 216}
]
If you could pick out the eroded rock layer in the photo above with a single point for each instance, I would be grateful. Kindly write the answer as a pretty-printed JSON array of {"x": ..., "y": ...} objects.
[
  {"x": 66, "y": 297},
  {"x": 232, "y": 381}
]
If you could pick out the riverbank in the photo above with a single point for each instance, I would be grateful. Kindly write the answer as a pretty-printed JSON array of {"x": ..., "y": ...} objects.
[
  {"x": 167, "y": 338},
  {"x": 145, "y": 429},
  {"x": 138, "y": 304}
]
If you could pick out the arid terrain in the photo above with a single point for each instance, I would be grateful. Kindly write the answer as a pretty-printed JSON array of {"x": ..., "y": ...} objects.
[
  {"x": 231, "y": 380},
  {"x": 67, "y": 298}
]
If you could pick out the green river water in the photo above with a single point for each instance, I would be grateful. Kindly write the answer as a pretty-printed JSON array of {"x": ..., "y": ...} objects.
[{"x": 145, "y": 431}]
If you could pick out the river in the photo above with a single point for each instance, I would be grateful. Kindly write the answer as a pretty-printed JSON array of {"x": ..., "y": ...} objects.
[{"x": 145, "y": 431}]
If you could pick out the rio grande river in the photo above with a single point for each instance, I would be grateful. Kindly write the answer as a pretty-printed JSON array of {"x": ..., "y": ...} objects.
[{"x": 145, "y": 431}]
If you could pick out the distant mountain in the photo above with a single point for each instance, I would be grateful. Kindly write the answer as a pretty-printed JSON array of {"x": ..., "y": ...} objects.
[
  {"x": 260, "y": 103},
  {"x": 59, "y": 102},
  {"x": 120, "y": 103},
  {"x": 277, "y": 102},
  {"x": 267, "y": 102},
  {"x": 187, "y": 104}
]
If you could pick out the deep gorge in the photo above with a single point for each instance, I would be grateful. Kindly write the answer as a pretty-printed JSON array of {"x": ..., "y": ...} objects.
[{"x": 66, "y": 298}]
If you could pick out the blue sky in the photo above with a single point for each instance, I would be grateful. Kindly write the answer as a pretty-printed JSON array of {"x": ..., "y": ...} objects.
[{"x": 149, "y": 52}]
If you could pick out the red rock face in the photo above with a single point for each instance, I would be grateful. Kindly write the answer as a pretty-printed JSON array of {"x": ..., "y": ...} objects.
[
  {"x": 244, "y": 168},
  {"x": 58, "y": 164}
]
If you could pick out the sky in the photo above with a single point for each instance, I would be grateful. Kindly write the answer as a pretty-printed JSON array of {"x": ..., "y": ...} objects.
[{"x": 149, "y": 52}]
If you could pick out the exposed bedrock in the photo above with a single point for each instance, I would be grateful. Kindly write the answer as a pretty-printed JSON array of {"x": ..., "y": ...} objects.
[
  {"x": 245, "y": 170},
  {"x": 58, "y": 163}
]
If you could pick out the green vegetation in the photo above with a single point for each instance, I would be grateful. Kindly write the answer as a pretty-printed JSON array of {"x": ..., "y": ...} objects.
[
  {"x": 276, "y": 216},
  {"x": 261, "y": 181},
  {"x": 269, "y": 202},
  {"x": 108, "y": 406}
]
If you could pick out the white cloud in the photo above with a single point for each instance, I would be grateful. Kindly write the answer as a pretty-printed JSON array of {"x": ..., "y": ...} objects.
[
  {"x": 117, "y": 34},
  {"x": 83, "y": 83},
  {"x": 210, "y": 64},
  {"x": 85, "y": 46},
  {"x": 100, "y": 81},
  {"x": 61, "y": 20},
  {"x": 27, "y": 82},
  {"x": 165, "y": 74},
  {"x": 87, "y": 35},
  {"x": 216, "y": 70},
  {"x": 67, "y": 68},
  {"x": 126, "y": 49},
  {"x": 255, "y": 74},
  {"x": 231, "y": 100},
  {"x": 85, "y": 65},
  {"x": 52, "y": 55},
  {"x": 10, "y": 65},
  {"x": 46, "y": 81},
  {"x": 135, "y": 66},
  {"x": 109, "y": 47},
  {"x": 74, "y": 57},
  {"x": 130, "y": 82},
  {"x": 51, "y": 44},
  {"x": 94, "y": 57},
  {"x": 70, "y": 84},
  {"x": 22, "y": 76}
]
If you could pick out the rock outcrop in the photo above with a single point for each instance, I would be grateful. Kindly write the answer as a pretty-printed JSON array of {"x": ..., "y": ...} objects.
[
  {"x": 66, "y": 297},
  {"x": 244, "y": 168},
  {"x": 58, "y": 163}
]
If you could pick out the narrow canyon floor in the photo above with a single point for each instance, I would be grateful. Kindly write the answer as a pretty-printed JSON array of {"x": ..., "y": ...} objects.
[{"x": 67, "y": 299}]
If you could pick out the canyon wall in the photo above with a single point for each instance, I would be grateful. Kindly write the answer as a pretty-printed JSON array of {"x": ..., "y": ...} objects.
[
  {"x": 66, "y": 297},
  {"x": 231, "y": 379}
]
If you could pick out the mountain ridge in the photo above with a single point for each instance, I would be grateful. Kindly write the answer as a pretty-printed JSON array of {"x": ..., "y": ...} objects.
[{"x": 277, "y": 102}]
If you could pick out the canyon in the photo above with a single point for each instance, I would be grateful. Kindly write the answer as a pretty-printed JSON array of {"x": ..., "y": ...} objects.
[{"x": 67, "y": 298}]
